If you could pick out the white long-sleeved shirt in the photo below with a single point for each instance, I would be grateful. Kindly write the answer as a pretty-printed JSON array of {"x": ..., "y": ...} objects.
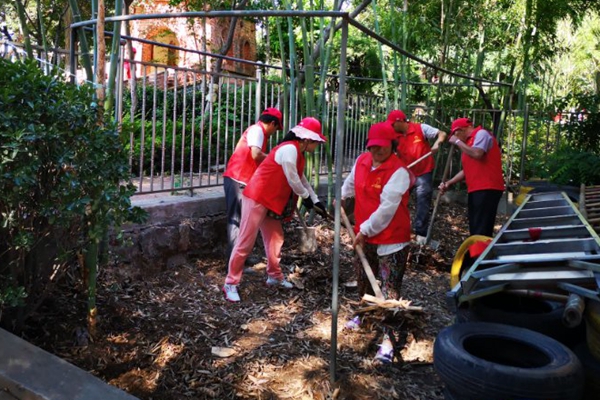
[
  {"x": 287, "y": 157},
  {"x": 389, "y": 201}
]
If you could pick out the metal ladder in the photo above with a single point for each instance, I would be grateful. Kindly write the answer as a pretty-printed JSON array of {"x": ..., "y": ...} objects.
[{"x": 546, "y": 245}]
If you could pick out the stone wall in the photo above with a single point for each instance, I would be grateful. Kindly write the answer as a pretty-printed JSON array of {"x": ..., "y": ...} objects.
[{"x": 179, "y": 229}]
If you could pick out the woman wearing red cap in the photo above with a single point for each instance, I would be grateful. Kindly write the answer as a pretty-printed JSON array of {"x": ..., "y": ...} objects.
[
  {"x": 482, "y": 172},
  {"x": 249, "y": 152},
  {"x": 380, "y": 184},
  {"x": 264, "y": 199}
]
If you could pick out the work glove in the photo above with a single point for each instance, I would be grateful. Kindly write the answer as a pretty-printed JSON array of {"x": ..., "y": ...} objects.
[
  {"x": 307, "y": 202},
  {"x": 320, "y": 209}
]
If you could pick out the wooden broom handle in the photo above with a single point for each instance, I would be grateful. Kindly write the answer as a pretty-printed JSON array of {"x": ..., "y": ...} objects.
[{"x": 363, "y": 258}]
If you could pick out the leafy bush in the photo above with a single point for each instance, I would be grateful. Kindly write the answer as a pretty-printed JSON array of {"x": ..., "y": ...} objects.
[{"x": 60, "y": 179}]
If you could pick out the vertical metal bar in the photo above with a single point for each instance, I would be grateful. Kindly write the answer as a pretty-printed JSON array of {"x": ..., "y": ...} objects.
[
  {"x": 193, "y": 139},
  {"x": 183, "y": 130},
  {"x": 226, "y": 142},
  {"x": 153, "y": 152},
  {"x": 243, "y": 109},
  {"x": 143, "y": 138},
  {"x": 164, "y": 131},
  {"x": 524, "y": 143},
  {"x": 249, "y": 121},
  {"x": 218, "y": 144},
  {"x": 202, "y": 121},
  {"x": 258, "y": 93},
  {"x": 338, "y": 198},
  {"x": 210, "y": 130},
  {"x": 72, "y": 59},
  {"x": 174, "y": 130},
  {"x": 235, "y": 117}
]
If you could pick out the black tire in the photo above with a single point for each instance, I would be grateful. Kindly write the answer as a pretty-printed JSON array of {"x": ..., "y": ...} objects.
[
  {"x": 591, "y": 371},
  {"x": 538, "y": 315},
  {"x": 489, "y": 361}
]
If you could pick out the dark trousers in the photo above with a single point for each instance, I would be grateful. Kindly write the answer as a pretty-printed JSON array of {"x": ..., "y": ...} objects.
[
  {"x": 483, "y": 206},
  {"x": 424, "y": 191},
  {"x": 233, "y": 201}
]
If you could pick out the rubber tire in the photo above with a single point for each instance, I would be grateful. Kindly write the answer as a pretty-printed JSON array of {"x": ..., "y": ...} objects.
[
  {"x": 591, "y": 371},
  {"x": 489, "y": 361},
  {"x": 538, "y": 315},
  {"x": 592, "y": 319}
]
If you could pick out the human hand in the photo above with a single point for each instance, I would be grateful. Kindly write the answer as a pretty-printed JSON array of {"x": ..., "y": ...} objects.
[
  {"x": 307, "y": 202},
  {"x": 359, "y": 240},
  {"x": 443, "y": 187},
  {"x": 320, "y": 209},
  {"x": 454, "y": 140},
  {"x": 435, "y": 148}
]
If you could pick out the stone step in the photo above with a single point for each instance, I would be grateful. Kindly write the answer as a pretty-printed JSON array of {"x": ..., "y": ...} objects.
[{"x": 30, "y": 373}]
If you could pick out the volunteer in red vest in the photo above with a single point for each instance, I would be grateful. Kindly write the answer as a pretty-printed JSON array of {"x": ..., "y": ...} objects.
[
  {"x": 249, "y": 152},
  {"x": 413, "y": 143},
  {"x": 380, "y": 183},
  {"x": 482, "y": 173},
  {"x": 264, "y": 199}
]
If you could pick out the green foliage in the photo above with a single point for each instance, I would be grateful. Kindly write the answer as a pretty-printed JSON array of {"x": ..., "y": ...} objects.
[
  {"x": 571, "y": 166},
  {"x": 149, "y": 139},
  {"x": 60, "y": 177}
]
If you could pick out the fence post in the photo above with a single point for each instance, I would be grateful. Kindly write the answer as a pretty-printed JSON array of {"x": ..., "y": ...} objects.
[
  {"x": 339, "y": 145},
  {"x": 72, "y": 60},
  {"x": 258, "y": 92},
  {"x": 524, "y": 143}
]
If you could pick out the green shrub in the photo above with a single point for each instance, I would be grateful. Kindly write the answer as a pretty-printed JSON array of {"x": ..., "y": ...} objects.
[{"x": 60, "y": 179}]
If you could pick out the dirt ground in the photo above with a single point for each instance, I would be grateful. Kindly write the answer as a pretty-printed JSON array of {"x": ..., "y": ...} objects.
[{"x": 173, "y": 336}]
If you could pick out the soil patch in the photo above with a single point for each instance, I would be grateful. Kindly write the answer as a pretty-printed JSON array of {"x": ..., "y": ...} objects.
[{"x": 173, "y": 336}]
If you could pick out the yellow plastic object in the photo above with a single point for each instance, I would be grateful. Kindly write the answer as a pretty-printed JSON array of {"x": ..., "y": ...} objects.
[
  {"x": 523, "y": 192},
  {"x": 459, "y": 257}
]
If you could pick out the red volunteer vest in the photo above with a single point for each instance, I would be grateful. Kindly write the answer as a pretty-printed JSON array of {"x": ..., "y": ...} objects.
[
  {"x": 268, "y": 185},
  {"x": 412, "y": 146},
  {"x": 368, "y": 185},
  {"x": 485, "y": 173},
  {"x": 241, "y": 165}
]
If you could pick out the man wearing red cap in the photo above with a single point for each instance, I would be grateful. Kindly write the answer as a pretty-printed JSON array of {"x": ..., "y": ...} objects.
[
  {"x": 249, "y": 152},
  {"x": 380, "y": 183},
  {"x": 413, "y": 143},
  {"x": 482, "y": 173},
  {"x": 265, "y": 198}
]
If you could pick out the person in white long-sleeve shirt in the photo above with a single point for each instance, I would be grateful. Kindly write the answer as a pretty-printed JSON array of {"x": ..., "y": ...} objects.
[
  {"x": 380, "y": 183},
  {"x": 264, "y": 201}
]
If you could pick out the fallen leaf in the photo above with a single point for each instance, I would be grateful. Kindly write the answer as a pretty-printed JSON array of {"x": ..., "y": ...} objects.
[{"x": 223, "y": 351}]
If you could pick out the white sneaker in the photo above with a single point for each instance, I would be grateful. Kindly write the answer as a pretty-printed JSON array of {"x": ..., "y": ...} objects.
[
  {"x": 281, "y": 283},
  {"x": 231, "y": 293},
  {"x": 421, "y": 240}
]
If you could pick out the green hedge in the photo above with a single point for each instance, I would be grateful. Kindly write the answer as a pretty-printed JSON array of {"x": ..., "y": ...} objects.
[{"x": 60, "y": 179}]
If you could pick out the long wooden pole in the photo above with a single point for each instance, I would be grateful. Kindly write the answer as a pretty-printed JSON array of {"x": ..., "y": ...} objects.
[
  {"x": 363, "y": 258},
  {"x": 439, "y": 195}
]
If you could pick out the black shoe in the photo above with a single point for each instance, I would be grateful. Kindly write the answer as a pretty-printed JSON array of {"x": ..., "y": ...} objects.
[{"x": 252, "y": 260}]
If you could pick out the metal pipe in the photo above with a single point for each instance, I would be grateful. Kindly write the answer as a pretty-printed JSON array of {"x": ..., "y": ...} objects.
[
  {"x": 539, "y": 295},
  {"x": 338, "y": 200},
  {"x": 573, "y": 311}
]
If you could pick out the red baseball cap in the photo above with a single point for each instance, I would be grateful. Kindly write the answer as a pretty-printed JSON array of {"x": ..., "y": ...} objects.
[
  {"x": 460, "y": 123},
  {"x": 275, "y": 113},
  {"x": 381, "y": 134},
  {"x": 396, "y": 115}
]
